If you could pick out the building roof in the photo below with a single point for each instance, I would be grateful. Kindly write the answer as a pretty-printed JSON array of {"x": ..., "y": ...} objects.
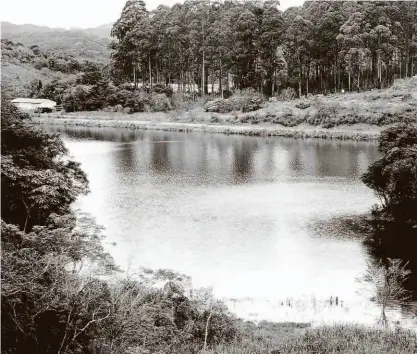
[{"x": 32, "y": 100}]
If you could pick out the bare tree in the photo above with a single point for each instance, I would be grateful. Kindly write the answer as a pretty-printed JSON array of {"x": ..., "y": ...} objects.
[{"x": 387, "y": 284}]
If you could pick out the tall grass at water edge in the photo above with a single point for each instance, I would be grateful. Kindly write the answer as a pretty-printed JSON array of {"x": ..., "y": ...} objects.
[{"x": 342, "y": 339}]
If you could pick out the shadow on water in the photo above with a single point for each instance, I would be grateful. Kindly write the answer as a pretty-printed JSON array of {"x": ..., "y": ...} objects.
[
  {"x": 329, "y": 158},
  {"x": 382, "y": 240},
  {"x": 98, "y": 134},
  {"x": 243, "y": 156},
  {"x": 160, "y": 159},
  {"x": 395, "y": 241}
]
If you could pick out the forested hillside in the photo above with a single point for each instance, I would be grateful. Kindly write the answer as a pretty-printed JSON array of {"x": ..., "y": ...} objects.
[
  {"x": 9, "y": 30},
  {"x": 323, "y": 46},
  {"x": 89, "y": 43},
  {"x": 32, "y": 53},
  {"x": 28, "y": 70}
]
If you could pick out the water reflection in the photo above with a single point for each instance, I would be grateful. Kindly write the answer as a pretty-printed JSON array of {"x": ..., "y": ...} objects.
[
  {"x": 230, "y": 211},
  {"x": 243, "y": 155},
  {"x": 160, "y": 159},
  {"x": 245, "y": 158},
  {"x": 101, "y": 134}
]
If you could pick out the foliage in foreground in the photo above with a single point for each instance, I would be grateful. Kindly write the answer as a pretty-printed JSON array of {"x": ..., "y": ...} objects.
[{"x": 54, "y": 298}]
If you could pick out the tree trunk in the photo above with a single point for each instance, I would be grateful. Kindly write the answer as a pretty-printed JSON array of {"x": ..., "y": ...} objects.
[
  {"x": 321, "y": 80},
  {"x": 299, "y": 76},
  {"x": 203, "y": 87},
  {"x": 206, "y": 331},
  {"x": 406, "y": 63},
  {"x": 220, "y": 79},
  {"x": 134, "y": 76},
  {"x": 349, "y": 79},
  {"x": 359, "y": 74},
  {"x": 157, "y": 72},
  {"x": 150, "y": 72}
]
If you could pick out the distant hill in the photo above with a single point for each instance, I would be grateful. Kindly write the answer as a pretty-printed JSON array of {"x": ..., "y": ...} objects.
[
  {"x": 22, "y": 65},
  {"x": 10, "y": 29},
  {"x": 91, "y": 43},
  {"x": 102, "y": 31}
]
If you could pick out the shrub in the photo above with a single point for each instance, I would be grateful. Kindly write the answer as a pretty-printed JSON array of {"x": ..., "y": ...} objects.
[
  {"x": 326, "y": 116},
  {"x": 287, "y": 94},
  {"x": 303, "y": 105},
  {"x": 387, "y": 283},
  {"x": 252, "y": 104},
  {"x": 163, "y": 89},
  {"x": 160, "y": 103},
  {"x": 394, "y": 177},
  {"x": 219, "y": 105},
  {"x": 287, "y": 120}
]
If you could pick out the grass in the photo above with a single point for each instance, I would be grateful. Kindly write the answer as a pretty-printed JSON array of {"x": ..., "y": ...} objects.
[
  {"x": 342, "y": 339},
  {"x": 376, "y": 107}
]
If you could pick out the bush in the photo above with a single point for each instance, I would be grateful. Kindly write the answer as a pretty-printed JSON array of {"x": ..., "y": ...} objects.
[
  {"x": 303, "y": 105},
  {"x": 287, "y": 94},
  {"x": 252, "y": 104},
  {"x": 40, "y": 63},
  {"x": 160, "y": 103},
  {"x": 326, "y": 116},
  {"x": 219, "y": 105},
  {"x": 163, "y": 89},
  {"x": 394, "y": 177},
  {"x": 287, "y": 120}
]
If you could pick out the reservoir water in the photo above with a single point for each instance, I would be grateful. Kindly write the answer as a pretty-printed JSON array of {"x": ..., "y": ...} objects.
[{"x": 236, "y": 213}]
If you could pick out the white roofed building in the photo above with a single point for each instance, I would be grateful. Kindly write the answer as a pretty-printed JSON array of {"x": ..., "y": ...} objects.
[{"x": 31, "y": 104}]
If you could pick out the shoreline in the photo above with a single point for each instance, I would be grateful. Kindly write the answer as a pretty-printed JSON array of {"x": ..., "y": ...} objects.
[{"x": 306, "y": 132}]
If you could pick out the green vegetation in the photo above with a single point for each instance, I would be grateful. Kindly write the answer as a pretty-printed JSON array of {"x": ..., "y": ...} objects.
[
  {"x": 394, "y": 176},
  {"x": 53, "y": 300}
]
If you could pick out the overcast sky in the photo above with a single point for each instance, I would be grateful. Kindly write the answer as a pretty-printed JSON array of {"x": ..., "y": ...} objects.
[{"x": 77, "y": 13}]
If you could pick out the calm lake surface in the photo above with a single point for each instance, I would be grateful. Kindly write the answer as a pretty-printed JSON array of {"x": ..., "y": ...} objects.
[{"x": 236, "y": 213}]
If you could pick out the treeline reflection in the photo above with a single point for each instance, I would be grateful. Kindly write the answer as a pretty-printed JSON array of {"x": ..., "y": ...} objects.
[{"x": 235, "y": 159}]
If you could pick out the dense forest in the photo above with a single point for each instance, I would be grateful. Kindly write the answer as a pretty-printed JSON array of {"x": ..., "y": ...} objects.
[
  {"x": 323, "y": 46},
  {"x": 223, "y": 46}
]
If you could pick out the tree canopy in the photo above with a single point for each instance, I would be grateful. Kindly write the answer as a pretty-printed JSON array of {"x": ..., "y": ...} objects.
[
  {"x": 394, "y": 176},
  {"x": 326, "y": 45}
]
